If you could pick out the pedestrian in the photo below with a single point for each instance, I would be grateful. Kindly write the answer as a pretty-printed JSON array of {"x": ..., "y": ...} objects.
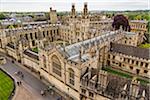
[
  {"x": 42, "y": 92},
  {"x": 18, "y": 83},
  {"x": 12, "y": 61},
  {"x": 16, "y": 73},
  {"x": 19, "y": 72}
]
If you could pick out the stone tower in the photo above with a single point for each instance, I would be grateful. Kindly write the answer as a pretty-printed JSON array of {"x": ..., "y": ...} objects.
[
  {"x": 53, "y": 16},
  {"x": 73, "y": 11},
  {"x": 85, "y": 11},
  {"x": 85, "y": 22}
]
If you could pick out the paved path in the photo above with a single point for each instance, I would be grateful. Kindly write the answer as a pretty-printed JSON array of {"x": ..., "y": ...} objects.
[
  {"x": 30, "y": 82},
  {"x": 22, "y": 92}
]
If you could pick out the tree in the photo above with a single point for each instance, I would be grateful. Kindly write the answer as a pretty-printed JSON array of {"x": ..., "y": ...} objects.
[
  {"x": 138, "y": 17},
  {"x": 2, "y": 16},
  {"x": 146, "y": 17},
  {"x": 131, "y": 16},
  {"x": 121, "y": 21},
  {"x": 10, "y": 27}
]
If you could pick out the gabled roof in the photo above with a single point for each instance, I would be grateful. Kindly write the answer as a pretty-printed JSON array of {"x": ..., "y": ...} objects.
[{"x": 130, "y": 50}]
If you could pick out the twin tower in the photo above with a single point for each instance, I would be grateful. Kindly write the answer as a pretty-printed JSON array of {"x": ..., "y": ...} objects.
[
  {"x": 53, "y": 13},
  {"x": 84, "y": 14}
]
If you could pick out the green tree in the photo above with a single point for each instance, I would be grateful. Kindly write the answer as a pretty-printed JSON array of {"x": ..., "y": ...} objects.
[
  {"x": 138, "y": 17},
  {"x": 2, "y": 16},
  {"x": 10, "y": 27},
  {"x": 131, "y": 16}
]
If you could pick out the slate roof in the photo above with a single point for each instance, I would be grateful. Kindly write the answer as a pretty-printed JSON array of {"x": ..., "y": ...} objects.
[
  {"x": 31, "y": 54},
  {"x": 74, "y": 49},
  {"x": 130, "y": 50}
]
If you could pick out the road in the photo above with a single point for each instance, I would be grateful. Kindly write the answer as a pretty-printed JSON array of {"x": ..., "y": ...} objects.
[{"x": 32, "y": 83}]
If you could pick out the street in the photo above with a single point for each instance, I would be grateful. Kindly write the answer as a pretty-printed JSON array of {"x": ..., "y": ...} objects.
[{"x": 32, "y": 83}]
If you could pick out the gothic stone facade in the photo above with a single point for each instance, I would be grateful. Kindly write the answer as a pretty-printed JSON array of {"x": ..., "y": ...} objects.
[{"x": 75, "y": 69}]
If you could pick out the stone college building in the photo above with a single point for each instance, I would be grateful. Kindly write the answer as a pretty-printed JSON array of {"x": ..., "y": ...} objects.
[{"x": 74, "y": 54}]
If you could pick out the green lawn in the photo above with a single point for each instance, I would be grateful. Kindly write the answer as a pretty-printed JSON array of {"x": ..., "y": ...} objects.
[
  {"x": 35, "y": 50},
  {"x": 123, "y": 74},
  {"x": 146, "y": 45},
  {"x": 6, "y": 86},
  {"x": 110, "y": 70},
  {"x": 143, "y": 81}
]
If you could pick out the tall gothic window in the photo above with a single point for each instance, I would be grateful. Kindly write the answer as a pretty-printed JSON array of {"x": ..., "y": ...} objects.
[
  {"x": 26, "y": 35},
  {"x": 35, "y": 35},
  {"x": 31, "y": 36},
  {"x": 71, "y": 76},
  {"x": 43, "y": 34},
  {"x": 56, "y": 65},
  {"x": 44, "y": 61}
]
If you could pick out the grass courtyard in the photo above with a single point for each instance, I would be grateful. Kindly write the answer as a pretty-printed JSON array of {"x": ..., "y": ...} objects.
[
  {"x": 146, "y": 45},
  {"x": 125, "y": 75},
  {"x": 35, "y": 50},
  {"x": 6, "y": 86}
]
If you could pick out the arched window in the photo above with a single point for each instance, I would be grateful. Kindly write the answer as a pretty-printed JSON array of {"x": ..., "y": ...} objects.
[
  {"x": 71, "y": 76},
  {"x": 56, "y": 65},
  {"x": 44, "y": 61}
]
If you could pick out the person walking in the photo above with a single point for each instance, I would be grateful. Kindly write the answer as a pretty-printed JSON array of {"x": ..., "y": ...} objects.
[
  {"x": 42, "y": 93},
  {"x": 18, "y": 83}
]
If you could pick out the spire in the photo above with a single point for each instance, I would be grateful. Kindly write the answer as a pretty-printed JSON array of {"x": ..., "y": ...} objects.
[
  {"x": 73, "y": 10},
  {"x": 125, "y": 87},
  {"x": 143, "y": 94},
  {"x": 85, "y": 10}
]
